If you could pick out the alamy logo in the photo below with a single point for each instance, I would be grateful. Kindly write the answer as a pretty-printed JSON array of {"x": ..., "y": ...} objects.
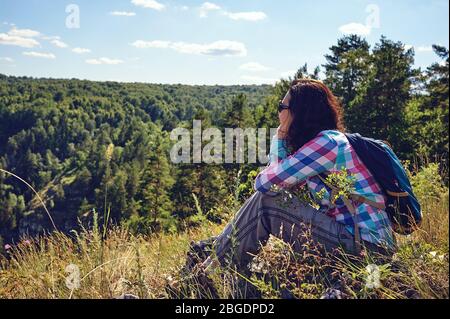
[
  {"x": 214, "y": 146},
  {"x": 373, "y": 19},
  {"x": 73, "y": 18}
]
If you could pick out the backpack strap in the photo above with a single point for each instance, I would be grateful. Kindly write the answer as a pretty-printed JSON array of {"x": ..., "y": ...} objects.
[
  {"x": 396, "y": 194},
  {"x": 352, "y": 210},
  {"x": 362, "y": 199}
]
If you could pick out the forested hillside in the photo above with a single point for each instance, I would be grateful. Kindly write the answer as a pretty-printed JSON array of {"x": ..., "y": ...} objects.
[
  {"x": 93, "y": 148},
  {"x": 81, "y": 144}
]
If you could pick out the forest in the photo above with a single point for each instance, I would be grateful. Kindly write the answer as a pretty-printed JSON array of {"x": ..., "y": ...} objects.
[{"x": 98, "y": 151}]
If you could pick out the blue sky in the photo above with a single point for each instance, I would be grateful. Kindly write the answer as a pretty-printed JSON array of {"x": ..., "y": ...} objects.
[{"x": 198, "y": 42}]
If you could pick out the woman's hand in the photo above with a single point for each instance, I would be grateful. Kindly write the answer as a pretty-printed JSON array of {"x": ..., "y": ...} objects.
[{"x": 285, "y": 118}]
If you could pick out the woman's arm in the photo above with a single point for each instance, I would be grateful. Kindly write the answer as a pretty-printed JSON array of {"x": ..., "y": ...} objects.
[
  {"x": 278, "y": 149},
  {"x": 315, "y": 157}
]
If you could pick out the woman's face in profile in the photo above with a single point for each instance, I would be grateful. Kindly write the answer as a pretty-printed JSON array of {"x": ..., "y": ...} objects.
[
  {"x": 287, "y": 98},
  {"x": 285, "y": 116}
]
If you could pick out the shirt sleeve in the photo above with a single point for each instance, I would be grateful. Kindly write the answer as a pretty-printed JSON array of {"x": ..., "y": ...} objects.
[
  {"x": 278, "y": 150},
  {"x": 313, "y": 158}
]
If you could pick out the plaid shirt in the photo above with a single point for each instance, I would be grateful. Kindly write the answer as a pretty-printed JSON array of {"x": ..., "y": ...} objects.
[{"x": 329, "y": 152}]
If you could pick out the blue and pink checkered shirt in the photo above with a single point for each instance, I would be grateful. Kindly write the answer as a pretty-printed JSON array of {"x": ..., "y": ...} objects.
[{"x": 329, "y": 152}]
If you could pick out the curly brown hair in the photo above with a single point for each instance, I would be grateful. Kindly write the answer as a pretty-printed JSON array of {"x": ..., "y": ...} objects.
[{"x": 314, "y": 108}]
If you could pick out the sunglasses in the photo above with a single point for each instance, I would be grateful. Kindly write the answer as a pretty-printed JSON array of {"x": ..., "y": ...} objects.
[{"x": 282, "y": 107}]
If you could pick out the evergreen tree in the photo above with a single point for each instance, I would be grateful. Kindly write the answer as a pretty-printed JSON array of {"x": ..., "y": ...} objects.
[
  {"x": 379, "y": 108},
  {"x": 427, "y": 112},
  {"x": 347, "y": 67},
  {"x": 302, "y": 73},
  {"x": 238, "y": 113},
  {"x": 205, "y": 181},
  {"x": 156, "y": 185}
]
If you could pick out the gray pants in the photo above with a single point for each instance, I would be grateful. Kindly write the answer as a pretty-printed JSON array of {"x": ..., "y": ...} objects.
[{"x": 263, "y": 215}]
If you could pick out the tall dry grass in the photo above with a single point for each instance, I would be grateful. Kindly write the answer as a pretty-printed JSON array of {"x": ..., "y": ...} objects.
[
  {"x": 146, "y": 266},
  {"x": 124, "y": 263}
]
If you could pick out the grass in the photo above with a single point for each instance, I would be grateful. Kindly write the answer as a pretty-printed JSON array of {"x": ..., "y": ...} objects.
[
  {"x": 118, "y": 262},
  {"x": 138, "y": 265}
]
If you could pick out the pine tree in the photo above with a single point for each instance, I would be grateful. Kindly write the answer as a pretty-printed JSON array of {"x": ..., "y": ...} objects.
[
  {"x": 205, "y": 181},
  {"x": 379, "y": 108},
  {"x": 303, "y": 72},
  {"x": 427, "y": 112},
  {"x": 238, "y": 113},
  {"x": 347, "y": 67},
  {"x": 156, "y": 185}
]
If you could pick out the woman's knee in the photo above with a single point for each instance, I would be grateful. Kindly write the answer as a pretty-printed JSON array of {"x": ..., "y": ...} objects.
[
  {"x": 267, "y": 199},
  {"x": 280, "y": 201}
]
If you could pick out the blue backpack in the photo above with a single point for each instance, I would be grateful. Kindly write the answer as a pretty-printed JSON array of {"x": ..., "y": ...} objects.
[{"x": 402, "y": 206}]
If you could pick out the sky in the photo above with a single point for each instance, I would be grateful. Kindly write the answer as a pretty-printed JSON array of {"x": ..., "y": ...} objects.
[{"x": 197, "y": 42}]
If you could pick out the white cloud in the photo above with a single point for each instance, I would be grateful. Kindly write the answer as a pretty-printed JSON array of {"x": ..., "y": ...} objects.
[
  {"x": 13, "y": 25},
  {"x": 207, "y": 7},
  {"x": 80, "y": 50},
  {"x": 7, "y": 39},
  {"x": 50, "y": 37},
  {"x": 422, "y": 49},
  {"x": 355, "y": 28},
  {"x": 59, "y": 43},
  {"x": 104, "y": 61},
  {"x": 25, "y": 33},
  {"x": 218, "y": 48},
  {"x": 122, "y": 13},
  {"x": 7, "y": 59},
  {"x": 254, "y": 67},
  {"x": 149, "y": 4},
  {"x": 27, "y": 38},
  {"x": 247, "y": 16},
  {"x": 250, "y": 79},
  {"x": 42, "y": 55},
  {"x": 425, "y": 49}
]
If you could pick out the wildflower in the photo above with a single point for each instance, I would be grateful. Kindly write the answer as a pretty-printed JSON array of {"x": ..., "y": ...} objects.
[
  {"x": 257, "y": 266},
  {"x": 435, "y": 257},
  {"x": 373, "y": 277},
  {"x": 8, "y": 247}
]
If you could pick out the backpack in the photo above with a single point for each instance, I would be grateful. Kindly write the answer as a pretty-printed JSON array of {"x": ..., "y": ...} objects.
[{"x": 402, "y": 205}]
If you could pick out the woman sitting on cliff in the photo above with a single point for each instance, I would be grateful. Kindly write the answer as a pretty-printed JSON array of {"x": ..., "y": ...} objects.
[{"x": 311, "y": 124}]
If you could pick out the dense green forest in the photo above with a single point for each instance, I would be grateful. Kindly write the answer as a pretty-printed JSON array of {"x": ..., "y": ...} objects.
[{"x": 101, "y": 148}]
